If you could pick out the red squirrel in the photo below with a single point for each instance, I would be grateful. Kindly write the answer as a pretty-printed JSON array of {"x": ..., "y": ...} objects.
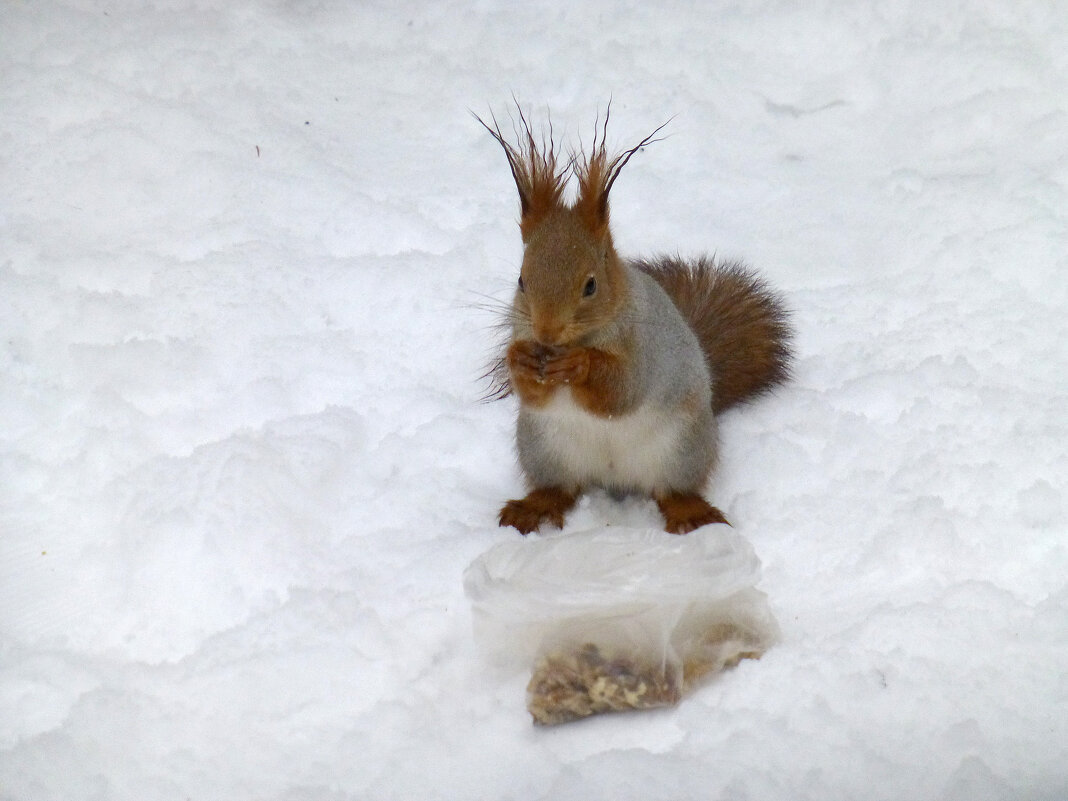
[{"x": 621, "y": 367}]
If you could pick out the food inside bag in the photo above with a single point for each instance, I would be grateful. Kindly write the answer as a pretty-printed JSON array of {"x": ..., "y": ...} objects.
[{"x": 619, "y": 618}]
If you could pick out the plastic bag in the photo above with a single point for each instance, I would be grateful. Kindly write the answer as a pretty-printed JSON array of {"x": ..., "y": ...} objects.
[{"x": 618, "y": 618}]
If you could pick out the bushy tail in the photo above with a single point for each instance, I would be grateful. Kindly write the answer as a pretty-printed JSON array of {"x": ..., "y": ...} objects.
[{"x": 741, "y": 324}]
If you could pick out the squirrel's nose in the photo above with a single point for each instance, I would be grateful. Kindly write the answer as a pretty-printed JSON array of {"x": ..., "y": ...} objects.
[{"x": 548, "y": 332}]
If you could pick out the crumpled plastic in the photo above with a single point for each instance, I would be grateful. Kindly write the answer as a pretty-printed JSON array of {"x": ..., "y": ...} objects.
[{"x": 614, "y": 619}]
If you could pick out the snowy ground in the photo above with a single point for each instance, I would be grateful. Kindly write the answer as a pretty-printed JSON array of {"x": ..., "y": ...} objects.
[{"x": 245, "y": 249}]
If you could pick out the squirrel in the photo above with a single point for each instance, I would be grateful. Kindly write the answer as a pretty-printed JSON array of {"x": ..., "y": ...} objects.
[{"x": 621, "y": 366}]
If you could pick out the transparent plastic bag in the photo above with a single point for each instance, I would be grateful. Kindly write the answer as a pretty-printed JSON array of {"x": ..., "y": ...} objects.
[{"x": 618, "y": 618}]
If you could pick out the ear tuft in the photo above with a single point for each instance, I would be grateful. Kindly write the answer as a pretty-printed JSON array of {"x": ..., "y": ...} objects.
[
  {"x": 539, "y": 181},
  {"x": 597, "y": 172}
]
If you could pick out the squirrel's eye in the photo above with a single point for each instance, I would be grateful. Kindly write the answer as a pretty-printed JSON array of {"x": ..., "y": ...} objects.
[
  {"x": 521, "y": 287},
  {"x": 590, "y": 288}
]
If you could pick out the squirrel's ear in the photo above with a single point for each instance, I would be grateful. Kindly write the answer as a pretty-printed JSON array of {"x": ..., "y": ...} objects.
[
  {"x": 594, "y": 182},
  {"x": 539, "y": 181},
  {"x": 596, "y": 173}
]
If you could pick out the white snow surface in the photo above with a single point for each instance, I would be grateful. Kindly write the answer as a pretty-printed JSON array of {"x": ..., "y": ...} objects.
[{"x": 246, "y": 250}]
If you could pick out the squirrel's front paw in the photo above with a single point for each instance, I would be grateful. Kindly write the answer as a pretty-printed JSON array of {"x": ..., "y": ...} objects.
[
  {"x": 526, "y": 359},
  {"x": 527, "y": 514},
  {"x": 685, "y": 511},
  {"x": 537, "y": 370},
  {"x": 569, "y": 367},
  {"x": 543, "y": 364}
]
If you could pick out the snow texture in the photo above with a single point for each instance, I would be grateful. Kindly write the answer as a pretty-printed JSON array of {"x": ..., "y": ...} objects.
[{"x": 246, "y": 253}]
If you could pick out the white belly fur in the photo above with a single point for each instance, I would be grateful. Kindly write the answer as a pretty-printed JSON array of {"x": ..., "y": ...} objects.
[{"x": 635, "y": 451}]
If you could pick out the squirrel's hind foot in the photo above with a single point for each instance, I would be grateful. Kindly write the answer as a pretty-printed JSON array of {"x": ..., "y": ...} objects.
[
  {"x": 527, "y": 514},
  {"x": 685, "y": 511}
]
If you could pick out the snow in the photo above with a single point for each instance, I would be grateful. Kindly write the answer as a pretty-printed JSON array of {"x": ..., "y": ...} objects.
[{"x": 247, "y": 250}]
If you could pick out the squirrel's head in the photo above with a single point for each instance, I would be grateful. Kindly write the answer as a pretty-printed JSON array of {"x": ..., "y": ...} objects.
[{"x": 571, "y": 283}]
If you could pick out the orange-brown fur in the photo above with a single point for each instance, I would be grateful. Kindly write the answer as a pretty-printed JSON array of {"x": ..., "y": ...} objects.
[
  {"x": 558, "y": 317},
  {"x": 600, "y": 391}
]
